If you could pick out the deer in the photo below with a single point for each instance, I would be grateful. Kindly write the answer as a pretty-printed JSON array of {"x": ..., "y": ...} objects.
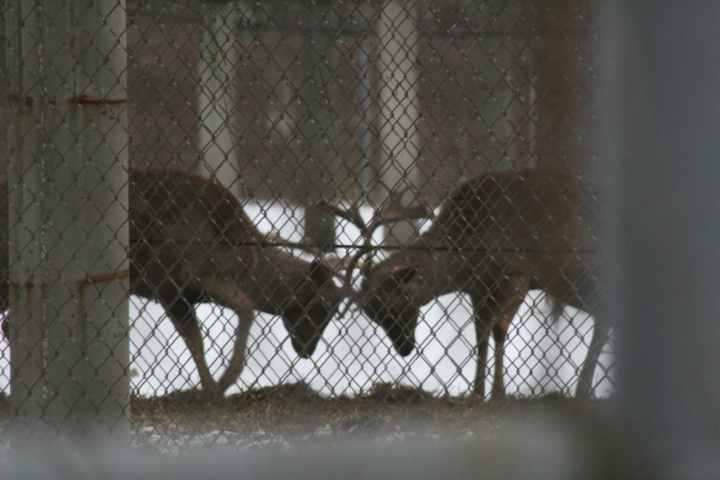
[
  {"x": 494, "y": 238},
  {"x": 191, "y": 242}
]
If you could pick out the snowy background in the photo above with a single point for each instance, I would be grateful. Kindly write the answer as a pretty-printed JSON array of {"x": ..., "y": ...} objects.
[{"x": 355, "y": 354}]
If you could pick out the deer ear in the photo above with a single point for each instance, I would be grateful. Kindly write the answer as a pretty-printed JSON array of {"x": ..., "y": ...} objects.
[
  {"x": 320, "y": 272},
  {"x": 403, "y": 273}
]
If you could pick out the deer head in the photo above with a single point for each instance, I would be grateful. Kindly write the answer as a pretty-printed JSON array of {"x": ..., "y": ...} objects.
[
  {"x": 388, "y": 295},
  {"x": 308, "y": 313}
]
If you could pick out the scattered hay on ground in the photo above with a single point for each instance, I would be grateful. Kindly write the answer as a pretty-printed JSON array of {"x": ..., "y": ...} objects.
[{"x": 294, "y": 412}]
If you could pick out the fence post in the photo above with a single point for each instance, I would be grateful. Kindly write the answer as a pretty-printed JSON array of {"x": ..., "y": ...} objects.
[
  {"x": 216, "y": 103},
  {"x": 317, "y": 134},
  {"x": 661, "y": 69},
  {"x": 68, "y": 229},
  {"x": 560, "y": 95},
  {"x": 398, "y": 40}
]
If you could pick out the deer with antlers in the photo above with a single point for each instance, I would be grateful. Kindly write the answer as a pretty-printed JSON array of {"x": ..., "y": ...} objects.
[
  {"x": 496, "y": 237},
  {"x": 191, "y": 242}
]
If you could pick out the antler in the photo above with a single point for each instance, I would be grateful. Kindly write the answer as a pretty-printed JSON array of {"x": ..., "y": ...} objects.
[
  {"x": 352, "y": 215},
  {"x": 392, "y": 212}
]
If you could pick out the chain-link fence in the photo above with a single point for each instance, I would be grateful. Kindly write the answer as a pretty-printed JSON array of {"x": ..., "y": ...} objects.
[{"x": 339, "y": 195}]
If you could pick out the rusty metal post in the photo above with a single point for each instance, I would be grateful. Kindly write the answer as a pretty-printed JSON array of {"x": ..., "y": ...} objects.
[
  {"x": 68, "y": 217},
  {"x": 559, "y": 106}
]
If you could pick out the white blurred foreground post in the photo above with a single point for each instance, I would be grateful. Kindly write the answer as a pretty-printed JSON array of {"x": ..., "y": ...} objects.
[
  {"x": 661, "y": 66},
  {"x": 68, "y": 218}
]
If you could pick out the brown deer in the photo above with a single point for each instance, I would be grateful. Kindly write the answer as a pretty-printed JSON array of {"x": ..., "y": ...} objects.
[
  {"x": 192, "y": 242},
  {"x": 496, "y": 237}
]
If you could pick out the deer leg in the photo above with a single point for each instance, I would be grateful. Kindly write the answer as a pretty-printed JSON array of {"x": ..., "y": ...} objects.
[
  {"x": 500, "y": 329},
  {"x": 237, "y": 361},
  {"x": 601, "y": 332},
  {"x": 496, "y": 312},
  {"x": 499, "y": 336},
  {"x": 183, "y": 316},
  {"x": 509, "y": 297},
  {"x": 482, "y": 313},
  {"x": 244, "y": 308},
  {"x": 588, "y": 294}
]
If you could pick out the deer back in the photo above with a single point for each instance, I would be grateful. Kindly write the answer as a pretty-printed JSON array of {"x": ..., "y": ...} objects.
[
  {"x": 184, "y": 228},
  {"x": 547, "y": 223},
  {"x": 176, "y": 215},
  {"x": 542, "y": 224},
  {"x": 526, "y": 210}
]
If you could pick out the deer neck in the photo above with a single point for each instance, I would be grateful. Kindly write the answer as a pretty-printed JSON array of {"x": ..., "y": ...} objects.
[
  {"x": 440, "y": 270},
  {"x": 275, "y": 280},
  {"x": 433, "y": 276}
]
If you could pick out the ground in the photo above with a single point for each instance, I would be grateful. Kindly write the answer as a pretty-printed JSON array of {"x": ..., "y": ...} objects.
[{"x": 294, "y": 413}]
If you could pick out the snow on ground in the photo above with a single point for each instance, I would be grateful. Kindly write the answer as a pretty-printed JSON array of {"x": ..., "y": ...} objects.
[{"x": 354, "y": 353}]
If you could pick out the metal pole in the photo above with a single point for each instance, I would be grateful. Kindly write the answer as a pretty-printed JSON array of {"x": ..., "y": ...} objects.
[
  {"x": 317, "y": 135},
  {"x": 68, "y": 217}
]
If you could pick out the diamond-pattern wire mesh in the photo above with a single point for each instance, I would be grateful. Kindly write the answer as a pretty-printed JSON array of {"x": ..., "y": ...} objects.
[{"x": 302, "y": 98}]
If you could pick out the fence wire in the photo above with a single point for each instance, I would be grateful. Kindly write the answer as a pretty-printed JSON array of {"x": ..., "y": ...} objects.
[{"x": 331, "y": 195}]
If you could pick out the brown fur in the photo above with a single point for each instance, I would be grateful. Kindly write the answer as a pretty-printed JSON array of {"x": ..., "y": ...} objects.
[
  {"x": 191, "y": 242},
  {"x": 496, "y": 237}
]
